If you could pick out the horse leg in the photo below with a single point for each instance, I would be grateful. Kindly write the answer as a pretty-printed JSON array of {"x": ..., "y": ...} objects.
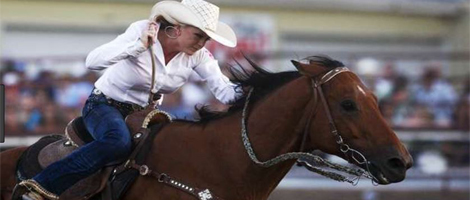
[{"x": 8, "y": 160}]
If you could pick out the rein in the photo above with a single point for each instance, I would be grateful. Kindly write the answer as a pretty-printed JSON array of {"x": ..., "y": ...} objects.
[
  {"x": 152, "y": 91},
  {"x": 310, "y": 161}
]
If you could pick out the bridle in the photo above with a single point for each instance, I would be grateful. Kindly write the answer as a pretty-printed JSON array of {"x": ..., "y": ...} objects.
[
  {"x": 317, "y": 89},
  {"x": 311, "y": 161}
]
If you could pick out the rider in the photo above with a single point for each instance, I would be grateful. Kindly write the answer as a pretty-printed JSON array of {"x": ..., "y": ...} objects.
[{"x": 177, "y": 31}]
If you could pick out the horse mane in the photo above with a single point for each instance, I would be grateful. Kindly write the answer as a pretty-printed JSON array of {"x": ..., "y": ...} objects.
[{"x": 262, "y": 81}]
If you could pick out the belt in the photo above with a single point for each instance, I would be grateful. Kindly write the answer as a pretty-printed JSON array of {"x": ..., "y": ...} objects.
[{"x": 123, "y": 107}]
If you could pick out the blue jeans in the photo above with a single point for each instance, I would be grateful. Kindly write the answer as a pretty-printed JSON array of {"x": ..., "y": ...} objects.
[{"x": 112, "y": 144}]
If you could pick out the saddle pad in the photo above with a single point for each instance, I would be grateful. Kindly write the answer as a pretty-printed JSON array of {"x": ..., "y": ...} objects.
[
  {"x": 55, "y": 151},
  {"x": 28, "y": 165}
]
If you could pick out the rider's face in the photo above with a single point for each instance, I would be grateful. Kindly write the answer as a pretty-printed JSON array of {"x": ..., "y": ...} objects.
[{"x": 192, "y": 39}]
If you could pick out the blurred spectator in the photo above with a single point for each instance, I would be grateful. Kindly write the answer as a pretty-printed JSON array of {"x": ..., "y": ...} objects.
[
  {"x": 51, "y": 120},
  {"x": 11, "y": 81},
  {"x": 420, "y": 117},
  {"x": 32, "y": 105},
  {"x": 72, "y": 93},
  {"x": 13, "y": 122},
  {"x": 404, "y": 113},
  {"x": 45, "y": 82},
  {"x": 387, "y": 109},
  {"x": 384, "y": 84},
  {"x": 30, "y": 115},
  {"x": 437, "y": 95}
]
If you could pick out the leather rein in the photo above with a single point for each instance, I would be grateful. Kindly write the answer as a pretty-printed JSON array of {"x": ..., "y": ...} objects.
[{"x": 152, "y": 91}]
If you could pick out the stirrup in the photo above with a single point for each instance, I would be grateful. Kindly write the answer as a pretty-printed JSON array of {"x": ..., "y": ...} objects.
[
  {"x": 32, "y": 189},
  {"x": 32, "y": 195}
]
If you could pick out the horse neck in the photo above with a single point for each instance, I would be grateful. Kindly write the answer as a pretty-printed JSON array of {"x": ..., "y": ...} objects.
[
  {"x": 275, "y": 125},
  {"x": 218, "y": 155}
]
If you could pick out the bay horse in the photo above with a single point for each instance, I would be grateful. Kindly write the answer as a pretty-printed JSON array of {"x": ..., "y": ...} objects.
[{"x": 322, "y": 106}]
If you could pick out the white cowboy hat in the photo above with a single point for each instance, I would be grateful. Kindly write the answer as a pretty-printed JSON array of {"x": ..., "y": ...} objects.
[{"x": 197, "y": 13}]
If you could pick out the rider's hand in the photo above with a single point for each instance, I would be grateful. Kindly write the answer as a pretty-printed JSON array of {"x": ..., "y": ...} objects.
[{"x": 149, "y": 35}]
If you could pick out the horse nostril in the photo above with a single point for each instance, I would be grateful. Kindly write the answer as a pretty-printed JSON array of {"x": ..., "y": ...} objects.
[{"x": 396, "y": 163}]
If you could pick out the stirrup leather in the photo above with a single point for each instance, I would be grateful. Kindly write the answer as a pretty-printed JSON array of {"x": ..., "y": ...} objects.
[{"x": 32, "y": 185}]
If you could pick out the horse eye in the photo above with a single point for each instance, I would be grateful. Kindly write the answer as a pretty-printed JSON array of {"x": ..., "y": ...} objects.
[{"x": 349, "y": 106}]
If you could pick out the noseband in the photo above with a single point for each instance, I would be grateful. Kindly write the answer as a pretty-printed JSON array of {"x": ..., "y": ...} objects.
[{"x": 308, "y": 160}]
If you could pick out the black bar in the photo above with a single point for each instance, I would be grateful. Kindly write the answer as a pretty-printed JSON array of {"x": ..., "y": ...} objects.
[{"x": 2, "y": 113}]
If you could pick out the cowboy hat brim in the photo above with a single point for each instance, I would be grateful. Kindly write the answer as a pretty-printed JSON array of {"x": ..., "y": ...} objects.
[{"x": 177, "y": 13}]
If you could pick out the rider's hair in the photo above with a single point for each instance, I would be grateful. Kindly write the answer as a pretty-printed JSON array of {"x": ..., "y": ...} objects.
[{"x": 163, "y": 23}]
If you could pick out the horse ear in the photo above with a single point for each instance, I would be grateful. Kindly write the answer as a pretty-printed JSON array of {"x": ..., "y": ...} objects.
[
  {"x": 300, "y": 67},
  {"x": 310, "y": 70}
]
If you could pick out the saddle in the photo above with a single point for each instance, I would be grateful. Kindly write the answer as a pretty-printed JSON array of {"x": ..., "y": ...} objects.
[{"x": 116, "y": 178}]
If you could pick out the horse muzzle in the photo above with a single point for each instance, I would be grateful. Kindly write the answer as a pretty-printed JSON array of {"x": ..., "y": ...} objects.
[{"x": 391, "y": 170}]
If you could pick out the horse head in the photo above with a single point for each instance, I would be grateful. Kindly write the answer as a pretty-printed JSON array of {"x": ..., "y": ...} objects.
[{"x": 353, "y": 127}]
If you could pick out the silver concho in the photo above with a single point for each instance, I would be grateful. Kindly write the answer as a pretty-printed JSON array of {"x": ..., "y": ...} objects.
[
  {"x": 205, "y": 195},
  {"x": 137, "y": 136}
]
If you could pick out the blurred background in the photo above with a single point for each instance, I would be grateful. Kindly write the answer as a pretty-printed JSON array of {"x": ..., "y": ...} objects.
[{"x": 414, "y": 54}]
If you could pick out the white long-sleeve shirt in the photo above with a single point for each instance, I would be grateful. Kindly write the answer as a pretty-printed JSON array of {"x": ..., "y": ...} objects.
[{"x": 129, "y": 69}]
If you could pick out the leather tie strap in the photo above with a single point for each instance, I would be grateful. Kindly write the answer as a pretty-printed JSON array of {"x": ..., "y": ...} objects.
[{"x": 201, "y": 194}]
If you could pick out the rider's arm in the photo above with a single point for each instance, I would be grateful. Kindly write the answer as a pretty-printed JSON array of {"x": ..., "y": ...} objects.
[
  {"x": 124, "y": 46},
  {"x": 208, "y": 69}
]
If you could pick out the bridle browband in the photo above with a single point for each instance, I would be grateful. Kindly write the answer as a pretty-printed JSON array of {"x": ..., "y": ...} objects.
[{"x": 308, "y": 160}]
